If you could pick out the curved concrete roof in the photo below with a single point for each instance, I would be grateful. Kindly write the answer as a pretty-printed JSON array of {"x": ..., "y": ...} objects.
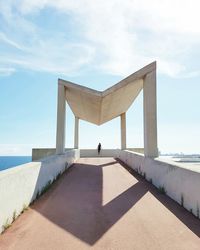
[{"x": 99, "y": 107}]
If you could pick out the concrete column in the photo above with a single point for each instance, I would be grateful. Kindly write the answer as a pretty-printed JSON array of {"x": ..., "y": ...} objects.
[
  {"x": 61, "y": 110},
  {"x": 150, "y": 116},
  {"x": 76, "y": 133},
  {"x": 123, "y": 131}
]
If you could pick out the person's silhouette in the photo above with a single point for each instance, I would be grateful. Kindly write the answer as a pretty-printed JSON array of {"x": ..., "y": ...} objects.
[{"x": 99, "y": 148}]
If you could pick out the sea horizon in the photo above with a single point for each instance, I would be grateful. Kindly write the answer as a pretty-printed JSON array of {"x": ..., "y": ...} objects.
[{"x": 7, "y": 162}]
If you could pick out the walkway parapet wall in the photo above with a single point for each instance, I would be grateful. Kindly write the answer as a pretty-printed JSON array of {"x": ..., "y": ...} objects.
[
  {"x": 136, "y": 150},
  {"x": 19, "y": 186},
  {"x": 40, "y": 153},
  {"x": 179, "y": 183},
  {"x": 103, "y": 153}
]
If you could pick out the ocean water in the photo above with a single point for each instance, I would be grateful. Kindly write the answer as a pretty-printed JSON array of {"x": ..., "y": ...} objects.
[{"x": 13, "y": 161}]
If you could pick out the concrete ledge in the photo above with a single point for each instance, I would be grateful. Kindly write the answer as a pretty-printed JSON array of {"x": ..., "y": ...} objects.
[
  {"x": 40, "y": 153},
  {"x": 103, "y": 153},
  {"x": 181, "y": 184},
  {"x": 136, "y": 150},
  {"x": 20, "y": 185}
]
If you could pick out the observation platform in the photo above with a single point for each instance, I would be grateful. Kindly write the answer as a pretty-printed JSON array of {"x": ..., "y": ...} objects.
[{"x": 98, "y": 204}]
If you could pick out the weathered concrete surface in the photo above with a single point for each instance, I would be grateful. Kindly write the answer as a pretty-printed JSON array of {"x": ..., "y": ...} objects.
[
  {"x": 123, "y": 131},
  {"x": 181, "y": 183},
  {"x": 40, "y": 153},
  {"x": 61, "y": 119},
  {"x": 87, "y": 153},
  {"x": 100, "y": 205},
  {"x": 20, "y": 185}
]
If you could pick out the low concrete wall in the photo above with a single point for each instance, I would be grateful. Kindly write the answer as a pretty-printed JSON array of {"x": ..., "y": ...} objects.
[
  {"x": 40, "y": 153},
  {"x": 137, "y": 150},
  {"x": 181, "y": 184},
  {"x": 20, "y": 185},
  {"x": 103, "y": 153}
]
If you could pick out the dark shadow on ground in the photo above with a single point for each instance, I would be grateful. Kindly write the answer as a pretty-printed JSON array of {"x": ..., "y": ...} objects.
[
  {"x": 108, "y": 164},
  {"x": 75, "y": 203}
]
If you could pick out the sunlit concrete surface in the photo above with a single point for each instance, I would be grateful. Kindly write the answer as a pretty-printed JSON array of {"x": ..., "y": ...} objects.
[
  {"x": 192, "y": 164},
  {"x": 98, "y": 204}
]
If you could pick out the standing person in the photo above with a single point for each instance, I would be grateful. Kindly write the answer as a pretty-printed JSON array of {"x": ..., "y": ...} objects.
[{"x": 99, "y": 148}]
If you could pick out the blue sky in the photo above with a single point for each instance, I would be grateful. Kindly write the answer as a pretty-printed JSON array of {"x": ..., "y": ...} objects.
[{"x": 96, "y": 44}]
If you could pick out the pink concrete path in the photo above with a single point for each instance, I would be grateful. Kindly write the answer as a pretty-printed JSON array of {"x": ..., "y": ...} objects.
[{"x": 98, "y": 204}]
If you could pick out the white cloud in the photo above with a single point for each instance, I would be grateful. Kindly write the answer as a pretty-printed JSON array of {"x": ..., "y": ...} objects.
[
  {"x": 49, "y": 57},
  {"x": 6, "y": 71},
  {"x": 6, "y": 40},
  {"x": 119, "y": 36}
]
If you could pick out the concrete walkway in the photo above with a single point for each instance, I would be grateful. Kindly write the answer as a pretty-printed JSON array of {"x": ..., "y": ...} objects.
[{"x": 98, "y": 204}]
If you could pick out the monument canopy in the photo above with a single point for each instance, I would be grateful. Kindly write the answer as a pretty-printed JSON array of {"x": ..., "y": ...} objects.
[{"x": 99, "y": 107}]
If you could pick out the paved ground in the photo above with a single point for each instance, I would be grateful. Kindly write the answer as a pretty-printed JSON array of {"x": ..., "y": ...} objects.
[{"x": 98, "y": 204}]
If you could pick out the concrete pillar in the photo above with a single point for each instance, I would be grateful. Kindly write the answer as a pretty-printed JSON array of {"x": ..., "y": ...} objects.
[
  {"x": 76, "y": 133},
  {"x": 61, "y": 110},
  {"x": 123, "y": 131},
  {"x": 150, "y": 116}
]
